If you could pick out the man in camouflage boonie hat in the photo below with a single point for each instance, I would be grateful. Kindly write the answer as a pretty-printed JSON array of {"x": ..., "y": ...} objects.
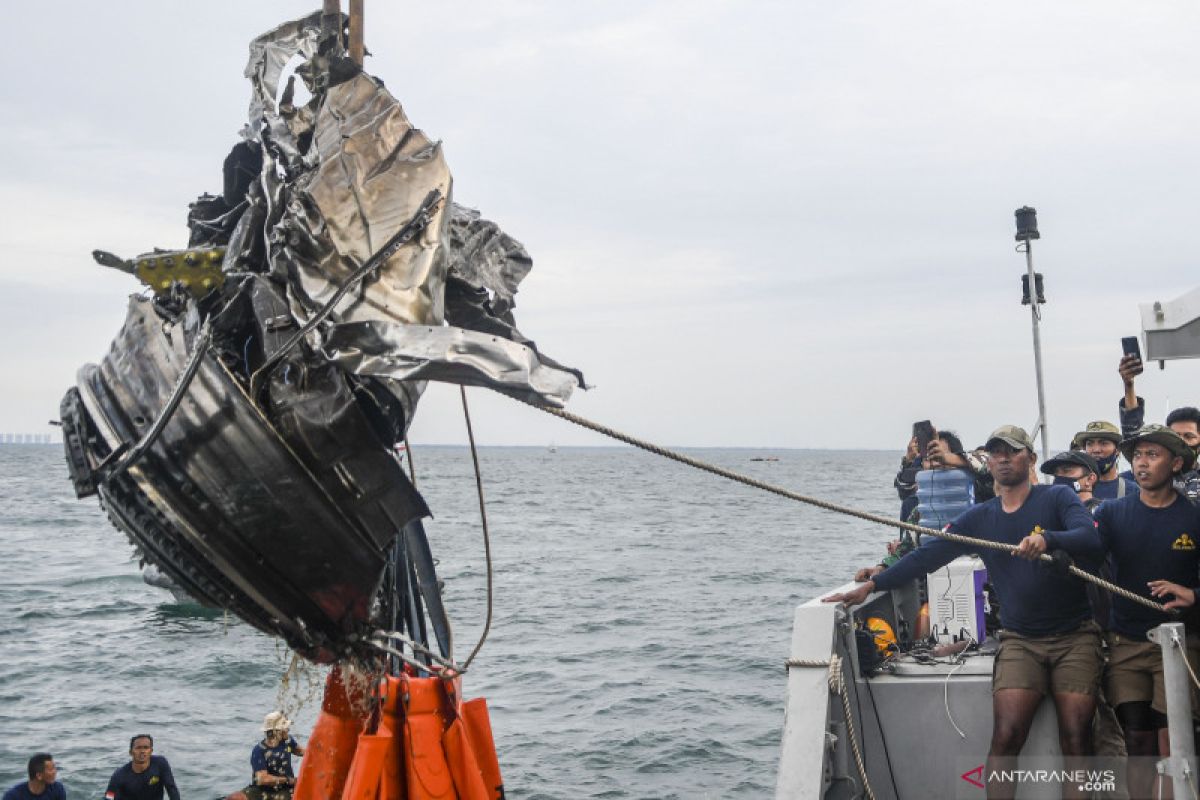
[
  {"x": 1153, "y": 543},
  {"x": 1099, "y": 439},
  {"x": 1160, "y": 434}
]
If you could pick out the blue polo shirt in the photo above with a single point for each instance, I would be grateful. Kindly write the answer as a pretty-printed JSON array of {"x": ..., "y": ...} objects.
[
  {"x": 1034, "y": 599},
  {"x": 1148, "y": 544}
]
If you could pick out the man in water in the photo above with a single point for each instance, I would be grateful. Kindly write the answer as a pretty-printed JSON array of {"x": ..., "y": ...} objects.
[
  {"x": 145, "y": 777},
  {"x": 1049, "y": 643},
  {"x": 42, "y": 784},
  {"x": 1099, "y": 440},
  {"x": 271, "y": 762},
  {"x": 1154, "y": 541}
]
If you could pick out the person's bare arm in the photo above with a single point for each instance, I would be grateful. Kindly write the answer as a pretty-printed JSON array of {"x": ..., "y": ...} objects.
[{"x": 1129, "y": 368}]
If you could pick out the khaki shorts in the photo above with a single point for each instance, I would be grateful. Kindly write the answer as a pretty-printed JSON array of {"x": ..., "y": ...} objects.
[
  {"x": 1135, "y": 672},
  {"x": 1065, "y": 662}
]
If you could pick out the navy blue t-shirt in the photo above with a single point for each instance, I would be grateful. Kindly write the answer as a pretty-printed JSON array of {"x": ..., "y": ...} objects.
[
  {"x": 54, "y": 791},
  {"x": 1034, "y": 599},
  {"x": 125, "y": 784},
  {"x": 1148, "y": 544},
  {"x": 1107, "y": 490},
  {"x": 276, "y": 760}
]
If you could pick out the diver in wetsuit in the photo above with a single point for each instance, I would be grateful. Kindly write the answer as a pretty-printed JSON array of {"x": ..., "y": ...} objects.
[{"x": 145, "y": 777}]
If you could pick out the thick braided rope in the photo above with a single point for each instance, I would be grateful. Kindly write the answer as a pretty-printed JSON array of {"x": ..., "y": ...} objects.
[
  {"x": 828, "y": 506},
  {"x": 837, "y": 685}
]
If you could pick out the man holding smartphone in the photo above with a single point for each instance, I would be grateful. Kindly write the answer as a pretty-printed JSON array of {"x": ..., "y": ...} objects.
[{"x": 1185, "y": 421}]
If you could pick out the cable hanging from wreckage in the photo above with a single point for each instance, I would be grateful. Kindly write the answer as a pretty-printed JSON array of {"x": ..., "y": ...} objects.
[{"x": 241, "y": 428}]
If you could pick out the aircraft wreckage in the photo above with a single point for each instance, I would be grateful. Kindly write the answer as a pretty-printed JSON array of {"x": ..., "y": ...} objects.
[{"x": 241, "y": 428}]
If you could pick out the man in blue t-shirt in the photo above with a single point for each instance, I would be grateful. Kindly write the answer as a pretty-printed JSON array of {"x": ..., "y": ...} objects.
[
  {"x": 1049, "y": 643},
  {"x": 1152, "y": 539},
  {"x": 43, "y": 781},
  {"x": 145, "y": 777}
]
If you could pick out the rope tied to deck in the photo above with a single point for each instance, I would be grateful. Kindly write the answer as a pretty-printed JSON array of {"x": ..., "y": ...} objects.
[
  {"x": 746, "y": 480},
  {"x": 837, "y": 686}
]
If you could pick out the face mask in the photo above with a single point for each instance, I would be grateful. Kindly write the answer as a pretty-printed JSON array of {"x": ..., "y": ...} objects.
[
  {"x": 1062, "y": 480},
  {"x": 1107, "y": 463}
]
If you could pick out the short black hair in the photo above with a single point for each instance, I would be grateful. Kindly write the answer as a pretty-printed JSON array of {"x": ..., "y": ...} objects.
[
  {"x": 38, "y": 763},
  {"x": 951, "y": 438},
  {"x": 1185, "y": 414},
  {"x": 133, "y": 739}
]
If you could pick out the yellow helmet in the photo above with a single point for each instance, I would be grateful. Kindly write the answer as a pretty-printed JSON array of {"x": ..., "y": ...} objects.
[{"x": 884, "y": 636}]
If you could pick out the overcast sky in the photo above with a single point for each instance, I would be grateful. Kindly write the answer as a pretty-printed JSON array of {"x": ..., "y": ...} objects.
[{"x": 752, "y": 223}]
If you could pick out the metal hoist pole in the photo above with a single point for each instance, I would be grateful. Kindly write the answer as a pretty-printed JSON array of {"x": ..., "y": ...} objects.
[
  {"x": 1037, "y": 351},
  {"x": 1181, "y": 765},
  {"x": 331, "y": 15},
  {"x": 357, "y": 48}
]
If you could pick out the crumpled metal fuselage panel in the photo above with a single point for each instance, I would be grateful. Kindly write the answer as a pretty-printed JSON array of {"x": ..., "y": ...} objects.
[
  {"x": 373, "y": 171},
  {"x": 231, "y": 486}
]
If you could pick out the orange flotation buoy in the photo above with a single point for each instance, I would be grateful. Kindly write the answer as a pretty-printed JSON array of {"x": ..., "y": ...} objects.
[
  {"x": 332, "y": 744},
  {"x": 479, "y": 730},
  {"x": 421, "y": 743},
  {"x": 424, "y": 756}
]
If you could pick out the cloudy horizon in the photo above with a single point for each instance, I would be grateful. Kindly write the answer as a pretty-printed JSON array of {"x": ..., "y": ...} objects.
[{"x": 753, "y": 224}]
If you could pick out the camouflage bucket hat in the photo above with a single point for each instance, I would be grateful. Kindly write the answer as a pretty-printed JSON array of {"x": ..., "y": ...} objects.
[
  {"x": 1160, "y": 434},
  {"x": 1097, "y": 430}
]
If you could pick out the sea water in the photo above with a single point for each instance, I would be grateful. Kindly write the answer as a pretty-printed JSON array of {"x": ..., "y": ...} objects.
[{"x": 643, "y": 613}]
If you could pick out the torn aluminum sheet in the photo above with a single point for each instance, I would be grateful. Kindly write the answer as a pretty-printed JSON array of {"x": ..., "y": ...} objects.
[{"x": 356, "y": 170}]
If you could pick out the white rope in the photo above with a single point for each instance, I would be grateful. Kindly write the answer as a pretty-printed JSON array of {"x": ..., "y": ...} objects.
[
  {"x": 806, "y": 662},
  {"x": 1175, "y": 641},
  {"x": 837, "y": 685}
]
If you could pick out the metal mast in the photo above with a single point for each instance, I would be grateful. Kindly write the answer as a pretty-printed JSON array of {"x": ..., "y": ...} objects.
[
  {"x": 1027, "y": 231},
  {"x": 331, "y": 17}
]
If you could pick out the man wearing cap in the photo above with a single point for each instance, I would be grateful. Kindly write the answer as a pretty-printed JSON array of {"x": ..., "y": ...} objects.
[
  {"x": 1153, "y": 539},
  {"x": 1078, "y": 470},
  {"x": 1049, "y": 643},
  {"x": 1099, "y": 440},
  {"x": 271, "y": 762}
]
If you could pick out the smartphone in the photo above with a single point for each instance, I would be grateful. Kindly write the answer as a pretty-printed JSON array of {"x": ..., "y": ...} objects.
[
  {"x": 1130, "y": 346},
  {"x": 923, "y": 430}
]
